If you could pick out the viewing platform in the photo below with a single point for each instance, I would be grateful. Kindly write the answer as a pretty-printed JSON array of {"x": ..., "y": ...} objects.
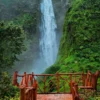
[
  {"x": 58, "y": 86},
  {"x": 54, "y": 97}
]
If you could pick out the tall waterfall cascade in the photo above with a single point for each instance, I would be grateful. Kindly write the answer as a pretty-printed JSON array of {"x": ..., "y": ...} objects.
[{"x": 48, "y": 41}]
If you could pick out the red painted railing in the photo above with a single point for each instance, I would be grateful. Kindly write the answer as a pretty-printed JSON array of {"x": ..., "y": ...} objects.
[
  {"x": 47, "y": 83},
  {"x": 27, "y": 86},
  {"x": 57, "y": 83}
]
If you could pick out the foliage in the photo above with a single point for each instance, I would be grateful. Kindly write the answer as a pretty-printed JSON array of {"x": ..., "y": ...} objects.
[
  {"x": 28, "y": 22},
  {"x": 6, "y": 88},
  {"x": 80, "y": 42},
  {"x": 52, "y": 69},
  {"x": 20, "y": 24},
  {"x": 11, "y": 44},
  {"x": 25, "y": 20}
]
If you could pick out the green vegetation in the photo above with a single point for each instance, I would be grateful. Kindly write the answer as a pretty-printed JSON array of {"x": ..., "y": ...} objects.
[
  {"x": 11, "y": 44},
  {"x": 80, "y": 42},
  {"x": 6, "y": 89},
  {"x": 79, "y": 47},
  {"x": 18, "y": 28},
  {"x": 26, "y": 20}
]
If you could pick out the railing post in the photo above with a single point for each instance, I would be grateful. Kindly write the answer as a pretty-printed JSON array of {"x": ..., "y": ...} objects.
[
  {"x": 35, "y": 85},
  {"x": 32, "y": 78},
  {"x": 25, "y": 81},
  {"x": 22, "y": 94},
  {"x": 71, "y": 83},
  {"x": 44, "y": 84},
  {"x": 76, "y": 87},
  {"x": 64, "y": 87},
  {"x": 15, "y": 79},
  {"x": 71, "y": 77},
  {"x": 83, "y": 79},
  {"x": 58, "y": 82}
]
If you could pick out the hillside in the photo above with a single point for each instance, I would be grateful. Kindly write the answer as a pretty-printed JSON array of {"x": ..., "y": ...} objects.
[{"x": 80, "y": 43}]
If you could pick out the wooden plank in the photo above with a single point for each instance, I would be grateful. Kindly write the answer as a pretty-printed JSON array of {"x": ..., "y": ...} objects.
[{"x": 54, "y": 97}]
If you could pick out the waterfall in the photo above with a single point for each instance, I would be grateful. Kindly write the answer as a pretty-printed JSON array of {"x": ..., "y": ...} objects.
[{"x": 48, "y": 41}]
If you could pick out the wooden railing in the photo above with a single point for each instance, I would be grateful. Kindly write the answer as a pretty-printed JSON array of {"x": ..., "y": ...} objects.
[
  {"x": 27, "y": 86},
  {"x": 75, "y": 93},
  {"x": 89, "y": 83},
  {"x": 57, "y": 83},
  {"x": 47, "y": 83}
]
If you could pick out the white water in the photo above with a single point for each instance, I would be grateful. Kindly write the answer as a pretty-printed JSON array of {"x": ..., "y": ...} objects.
[{"x": 48, "y": 41}]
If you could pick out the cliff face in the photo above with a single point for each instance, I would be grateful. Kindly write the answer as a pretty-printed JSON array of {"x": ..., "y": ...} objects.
[{"x": 80, "y": 42}]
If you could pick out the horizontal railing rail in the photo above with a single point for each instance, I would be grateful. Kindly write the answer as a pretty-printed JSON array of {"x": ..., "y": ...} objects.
[
  {"x": 57, "y": 83},
  {"x": 54, "y": 83}
]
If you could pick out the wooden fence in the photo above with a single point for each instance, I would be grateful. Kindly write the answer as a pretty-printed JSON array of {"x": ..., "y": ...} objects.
[{"x": 31, "y": 84}]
